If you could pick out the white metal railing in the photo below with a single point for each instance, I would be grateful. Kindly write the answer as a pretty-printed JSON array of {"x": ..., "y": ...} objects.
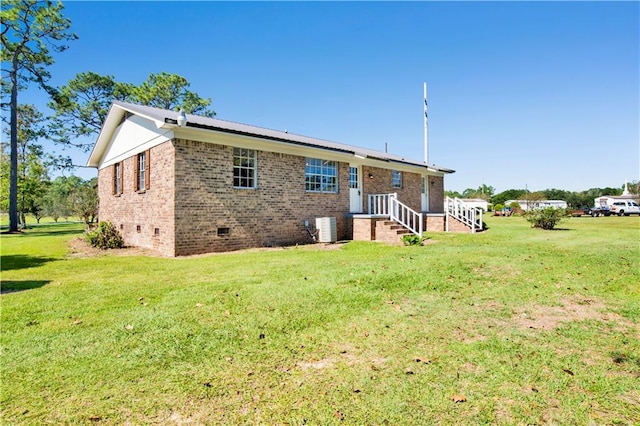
[
  {"x": 379, "y": 203},
  {"x": 405, "y": 216},
  {"x": 388, "y": 205},
  {"x": 469, "y": 215}
]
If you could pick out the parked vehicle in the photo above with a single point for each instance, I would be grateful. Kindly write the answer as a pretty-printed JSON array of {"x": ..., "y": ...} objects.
[
  {"x": 625, "y": 208},
  {"x": 596, "y": 211},
  {"x": 600, "y": 209},
  {"x": 581, "y": 211}
]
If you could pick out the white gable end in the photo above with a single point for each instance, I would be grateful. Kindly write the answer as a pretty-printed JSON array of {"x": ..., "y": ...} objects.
[{"x": 136, "y": 134}]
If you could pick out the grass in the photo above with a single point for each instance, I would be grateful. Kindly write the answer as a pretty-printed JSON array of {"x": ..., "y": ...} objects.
[
  {"x": 528, "y": 326},
  {"x": 32, "y": 221}
]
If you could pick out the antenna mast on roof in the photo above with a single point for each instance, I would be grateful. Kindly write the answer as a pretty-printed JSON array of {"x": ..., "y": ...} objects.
[{"x": 426, "y": 128}]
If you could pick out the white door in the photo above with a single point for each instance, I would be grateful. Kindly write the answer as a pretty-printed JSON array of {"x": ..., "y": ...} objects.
[
  {"x": 425, "y": 194},
  {"x": 355, "y": 189}
]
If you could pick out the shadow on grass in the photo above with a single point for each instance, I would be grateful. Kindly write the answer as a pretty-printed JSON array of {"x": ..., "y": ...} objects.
[
  {"x": 49, "y": 229},
  {"x": 15, "y": 286},
  {"x": 52, "y": 232},
  {"x": 21, "y": 261}
]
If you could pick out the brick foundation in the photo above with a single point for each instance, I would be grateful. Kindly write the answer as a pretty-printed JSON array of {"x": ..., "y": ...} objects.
[
  {"x": 364, "y": 227},
  {"x": 456, "y": 226},
  {"x": 435, "y": 222}
]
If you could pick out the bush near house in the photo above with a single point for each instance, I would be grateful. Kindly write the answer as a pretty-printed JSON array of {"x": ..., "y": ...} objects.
[
  {"x": 413, "y": 240},
  {"x": 105, "y": 236},
  {"x": 546, "y": 218}
]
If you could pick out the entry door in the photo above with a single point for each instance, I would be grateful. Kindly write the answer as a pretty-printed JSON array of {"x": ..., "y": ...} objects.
[
  {"x": 425, "y": 194},
  {"x": 355, "y": 189}
]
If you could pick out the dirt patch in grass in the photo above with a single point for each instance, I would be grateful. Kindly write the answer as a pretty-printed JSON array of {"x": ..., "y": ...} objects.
[
  {"x": 79, "y": 247},
  {"x": 317, "y": 365},
  {"x": 346, "y": 355},
  {"x": 575, "y": 309}
]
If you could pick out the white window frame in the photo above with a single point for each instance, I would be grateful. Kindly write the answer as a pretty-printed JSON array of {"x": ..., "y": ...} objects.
[
  {"x": 117, "y": 178},
  {"x": 353, "y": 177},
  {"x": 245, "y": 159},
  {"x": 142, "y": 171},
  {"x": 321, "y": 176},
  {"x": 396, "y": 179}
]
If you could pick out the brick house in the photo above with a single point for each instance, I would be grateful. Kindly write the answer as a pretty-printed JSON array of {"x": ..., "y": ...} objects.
[{"x": 208, "y": 185}]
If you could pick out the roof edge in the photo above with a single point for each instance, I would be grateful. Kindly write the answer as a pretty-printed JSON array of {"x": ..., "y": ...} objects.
[{"x": 205, "y": 123}]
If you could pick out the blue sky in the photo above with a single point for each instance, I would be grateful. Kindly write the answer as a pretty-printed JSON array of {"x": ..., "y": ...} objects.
[{"x": 534, "y": 94}]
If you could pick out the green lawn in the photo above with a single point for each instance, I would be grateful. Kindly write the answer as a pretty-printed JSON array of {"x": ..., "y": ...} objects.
[
  {"x": 526, "y": 326},
  {"x": 31, "y": 220}
]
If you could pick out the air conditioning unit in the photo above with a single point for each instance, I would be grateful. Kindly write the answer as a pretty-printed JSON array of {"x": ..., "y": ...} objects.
[{"x": 327, "y": 232}]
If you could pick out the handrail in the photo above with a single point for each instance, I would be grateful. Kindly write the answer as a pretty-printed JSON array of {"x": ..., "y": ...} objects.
[
  {"x": 388, "y": 205},
  {"x": 379, "y": 203},
  {"x": 470, "y": 216},
  {"x": 406, "y": 216}
]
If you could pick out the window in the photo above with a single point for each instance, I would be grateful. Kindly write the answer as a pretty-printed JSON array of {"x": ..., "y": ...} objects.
[
  {"x": 396, "y": 179},
  {"x": 117, "y": 179},
  {"x": 353, "y": 177},
  {"x": 142, "y": 171},
  {"x": 320, "y": 175},
  {"x": 244, "y": 168}
]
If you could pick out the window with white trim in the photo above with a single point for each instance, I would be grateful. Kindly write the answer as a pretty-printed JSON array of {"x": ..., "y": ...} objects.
[
  {"x": 353, "y": 177},
  {"x": 117, "y": 179},
  {"x": 320, "y": 175},
  {"x": 244, "y": 168},
  {"x": 396, "y": 179},
  {"x": 142, "y": 171}
]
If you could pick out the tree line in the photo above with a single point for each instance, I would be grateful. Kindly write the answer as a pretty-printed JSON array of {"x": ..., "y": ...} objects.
[
  {"x": 30, "y": 32},
  {"x": 574, "y": 199}
]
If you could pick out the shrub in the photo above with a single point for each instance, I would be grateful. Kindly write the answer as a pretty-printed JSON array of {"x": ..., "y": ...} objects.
[
  {"x": 546, "y": 218},
  {"x": 105, "y": 236},
  {"x": 412, "y": 240}
]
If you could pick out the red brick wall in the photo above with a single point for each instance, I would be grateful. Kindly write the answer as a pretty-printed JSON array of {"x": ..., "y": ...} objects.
[
  {"x": 149, "y": 210},
  {"x": 272, "y": 214},
  {"x": 456, "y": 226},
  {"x": 364, "y": 228},
  {"x": 380, "y": 183},
  {"x": 188, "y": 217},
  {"x": 434, "y": 223},
  {"x": 436, "y": 194}
]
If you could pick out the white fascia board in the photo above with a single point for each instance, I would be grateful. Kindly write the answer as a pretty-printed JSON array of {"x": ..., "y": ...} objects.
[
  {"x": 136, "y": 134},
  {"x": 102, "y": 142},
  {"x": 111, "y": 128},
  {"x": 268, "y": 145}
]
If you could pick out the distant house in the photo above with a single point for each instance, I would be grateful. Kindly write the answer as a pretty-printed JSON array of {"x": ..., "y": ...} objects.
[
  {"x": 477, "y": 202},
  {"x": 185, "y": 184},
  {"x": 538, "y": 204}
]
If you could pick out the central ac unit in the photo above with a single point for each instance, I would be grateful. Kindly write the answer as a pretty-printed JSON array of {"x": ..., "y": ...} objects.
[{"x": 327, "y": 232}]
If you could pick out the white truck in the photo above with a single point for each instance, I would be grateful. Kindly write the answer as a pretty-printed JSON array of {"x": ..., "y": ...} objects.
[{"x": 625, "y": 208}]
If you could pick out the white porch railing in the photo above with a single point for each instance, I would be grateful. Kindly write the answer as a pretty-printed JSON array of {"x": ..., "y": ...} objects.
[
  {"x": 379, "y": 203},
  {"x": 469, "y": 215},
  {"x": 388, "y": 205}
]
